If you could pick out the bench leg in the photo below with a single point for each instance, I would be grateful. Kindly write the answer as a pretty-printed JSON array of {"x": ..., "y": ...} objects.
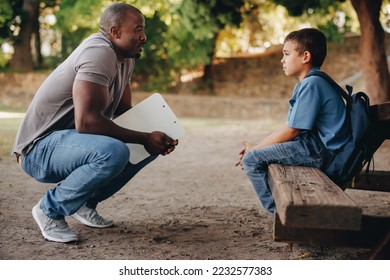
[
  {"x": 375, "y": 234},
  {"x": 382, "y": 250}
]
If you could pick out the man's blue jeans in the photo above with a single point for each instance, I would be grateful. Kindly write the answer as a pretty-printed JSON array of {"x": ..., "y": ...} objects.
[
  {"x": 87, "y": 169},
  {"x": 304, "y": 150}
]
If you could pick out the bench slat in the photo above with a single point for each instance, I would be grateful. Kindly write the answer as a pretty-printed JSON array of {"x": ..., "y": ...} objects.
[{"x": 306, "y": 198}]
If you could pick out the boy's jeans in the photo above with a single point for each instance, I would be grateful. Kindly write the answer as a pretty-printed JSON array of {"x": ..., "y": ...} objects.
[
  {"x": 304, "y": 150},
  {"x": 88, "y": 169}
]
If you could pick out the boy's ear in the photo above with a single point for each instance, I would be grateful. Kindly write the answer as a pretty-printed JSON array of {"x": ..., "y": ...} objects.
[{"x": 306, "y": 57}]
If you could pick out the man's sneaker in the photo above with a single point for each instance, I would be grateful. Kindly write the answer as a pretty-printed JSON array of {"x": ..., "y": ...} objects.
[
  {"x": 51, "y": 229},
  {"x": 91, "y": 218}
]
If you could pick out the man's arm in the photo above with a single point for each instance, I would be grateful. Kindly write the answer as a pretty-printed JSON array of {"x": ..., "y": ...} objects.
[
  {"x": 283, "y": 134},
  {"x": 91, "y": 99},
  {"x": 125, "y": 103}
]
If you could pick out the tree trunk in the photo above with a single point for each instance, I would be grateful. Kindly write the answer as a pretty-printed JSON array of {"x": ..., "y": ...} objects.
[
  {"x": 22, "y": 59},
  {"x": 372, "y": 49},
  {"x": 207, "y": 69},
  {"x": 37, "y": 35}
]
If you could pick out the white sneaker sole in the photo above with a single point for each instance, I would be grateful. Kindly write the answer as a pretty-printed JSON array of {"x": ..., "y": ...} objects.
[
  {"x": 44, "y": 234},
  {"x": 87, "y": 223}
]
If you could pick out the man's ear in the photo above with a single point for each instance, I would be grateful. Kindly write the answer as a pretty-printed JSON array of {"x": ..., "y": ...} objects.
[
  {"x": 115, "y": 31},
  {"x": 306, "y": 57}
]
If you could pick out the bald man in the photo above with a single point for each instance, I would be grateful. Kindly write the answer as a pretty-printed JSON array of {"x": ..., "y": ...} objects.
[{"x": 68, "y": 137}]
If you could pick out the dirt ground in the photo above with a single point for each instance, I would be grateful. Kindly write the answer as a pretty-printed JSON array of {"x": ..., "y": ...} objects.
[{"x": 191, "y": 205}]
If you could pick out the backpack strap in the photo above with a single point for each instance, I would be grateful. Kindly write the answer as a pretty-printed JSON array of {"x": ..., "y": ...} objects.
[{"x": 339, "y": 89}]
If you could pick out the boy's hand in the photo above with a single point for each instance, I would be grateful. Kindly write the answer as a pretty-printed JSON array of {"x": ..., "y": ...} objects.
[{"x": 247, "y": 148}]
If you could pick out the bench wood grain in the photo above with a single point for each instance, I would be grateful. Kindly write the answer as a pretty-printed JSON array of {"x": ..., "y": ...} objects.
[{"x": 306, "y": 198}]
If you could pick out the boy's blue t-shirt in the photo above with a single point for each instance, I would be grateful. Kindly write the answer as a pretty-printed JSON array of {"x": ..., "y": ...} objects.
[{"x": 316, "y": 106}]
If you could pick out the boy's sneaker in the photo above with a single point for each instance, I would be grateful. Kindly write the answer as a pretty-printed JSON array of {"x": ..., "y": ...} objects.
[
  {"x": 90, "y": 217},
  {"x": 51, "y": 229}
]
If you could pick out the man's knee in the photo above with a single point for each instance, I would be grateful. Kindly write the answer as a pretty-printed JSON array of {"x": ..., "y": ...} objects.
[
  {"x": 118, "y": 152},
  {"x": 112, "y": 154}
]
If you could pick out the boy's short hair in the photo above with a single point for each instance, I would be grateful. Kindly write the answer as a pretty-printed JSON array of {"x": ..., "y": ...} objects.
[{"x": 311, "y": 40}]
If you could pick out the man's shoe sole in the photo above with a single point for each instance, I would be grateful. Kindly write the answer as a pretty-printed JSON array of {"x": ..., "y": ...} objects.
[
  {"x": 47, "y": 237},
  {"x": 87, "y": 223}
]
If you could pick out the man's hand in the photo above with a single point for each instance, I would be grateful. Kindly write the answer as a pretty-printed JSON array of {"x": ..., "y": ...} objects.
[
  {"x": 158, "y": 143},
  {"x": 247, "y": 148}
]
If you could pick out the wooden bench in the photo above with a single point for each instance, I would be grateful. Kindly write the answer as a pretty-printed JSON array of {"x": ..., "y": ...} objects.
[
  {"x": 311, "y": 209},
  {"x": 306, "y": 198}
]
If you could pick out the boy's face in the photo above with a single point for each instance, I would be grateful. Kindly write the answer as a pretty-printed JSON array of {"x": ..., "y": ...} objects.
[{"x": 293, "y": 63}]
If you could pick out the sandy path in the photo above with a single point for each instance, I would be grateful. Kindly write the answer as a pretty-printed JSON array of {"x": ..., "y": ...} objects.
[{"x": 193, "y": 204}]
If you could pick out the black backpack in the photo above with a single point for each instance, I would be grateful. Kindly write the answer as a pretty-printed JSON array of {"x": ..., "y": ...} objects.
[{"x": 350, "y": 160}]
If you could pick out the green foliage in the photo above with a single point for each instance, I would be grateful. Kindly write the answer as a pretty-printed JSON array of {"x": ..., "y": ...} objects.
[
  {"x": 331, "y": 32},
  {"x": 3, "y": 60},
  {"x": 223, "y": 12},
  {"x": 151, "y": 69},
  {"x": 297, "y": 8},
  {"x": 182, "y": 39},
  {"x": 170, "y": 49},
  {"x": 192, "y": 34},
  {"x": 5, "y": 12},
  {"x": 320, "y": 13},
  {"x": 184, "y": 34},
  {"x": 76, "y": 20},
  {"x": 9, "y": 13},
  {"x": 11, "y": 16},
  {"x": 12, "y": 21},
  {"x": 75, "y": 14}
]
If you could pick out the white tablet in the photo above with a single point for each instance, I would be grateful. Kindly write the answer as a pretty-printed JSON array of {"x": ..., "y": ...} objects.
[{"x": 151, "y": 114}]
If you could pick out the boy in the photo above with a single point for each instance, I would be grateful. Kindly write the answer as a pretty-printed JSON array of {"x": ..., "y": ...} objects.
[{"x": 316, "y": 122}]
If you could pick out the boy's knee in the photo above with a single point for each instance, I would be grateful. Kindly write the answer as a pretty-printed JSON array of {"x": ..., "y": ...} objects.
[
  {"x": 248, "y": 161},
  {"x": 252, "y": 163}
]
